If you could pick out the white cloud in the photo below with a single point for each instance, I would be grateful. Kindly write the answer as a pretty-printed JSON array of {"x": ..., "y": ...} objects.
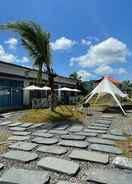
[
  {"x": 24, "y": 59},
  {"x": 109, "y": 51},
  {"x": 104, "y": 70},
  {"x": 4, "y": 56},
  {"x": 62, "y": 44},
  {"x": 11, "y": 58},
  {"x": 84, "y": 74},
  {"x": 107, "y": 70},
  {"x": 121, "y": 71},
  {"x": 12, "y": 42},
  {"x": 86, "y": 42}
]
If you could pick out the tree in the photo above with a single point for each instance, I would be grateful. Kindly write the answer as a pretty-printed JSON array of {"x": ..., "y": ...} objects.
[
  {"x": 74, "y": 76},
  {"x": 37, "y": 42},
  {"x": 127, "y": 87}
]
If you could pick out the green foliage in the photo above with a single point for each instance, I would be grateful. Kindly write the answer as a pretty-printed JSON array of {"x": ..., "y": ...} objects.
[
  {"x": 127, "y": 87},
  {"x": 35, "y": 40},
  {"x": 74, "y": 76}
]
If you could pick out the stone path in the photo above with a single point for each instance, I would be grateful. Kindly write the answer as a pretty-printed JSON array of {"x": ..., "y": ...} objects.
[{"x": 64, "y": 153}]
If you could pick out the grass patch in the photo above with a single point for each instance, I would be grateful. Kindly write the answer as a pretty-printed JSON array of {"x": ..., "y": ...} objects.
[
  {"x": 3, "y": 141},
  {"x": 126, "y": 147},
  {"x": 62, "y": 112}
]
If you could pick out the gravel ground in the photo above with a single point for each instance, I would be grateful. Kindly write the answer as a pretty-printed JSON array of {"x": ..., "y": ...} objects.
[{"x": 119, "y": 122}]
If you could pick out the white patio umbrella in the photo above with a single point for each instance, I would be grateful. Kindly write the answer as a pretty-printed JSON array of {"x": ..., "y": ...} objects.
[
  {"x": 76, "y": 90},
  {"x": 45, "y": 88},
  {"x": 64, "y": 89},
  {"x": 32, "y": 87}
]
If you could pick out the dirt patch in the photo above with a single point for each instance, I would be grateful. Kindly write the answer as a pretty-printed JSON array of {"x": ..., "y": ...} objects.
[{"x": 4, "y": 134}]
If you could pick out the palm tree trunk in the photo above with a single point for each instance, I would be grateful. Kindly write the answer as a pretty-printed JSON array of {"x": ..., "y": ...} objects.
[
  {"x": 39, "y": 77},
  {"x": 51, "y": 84}
]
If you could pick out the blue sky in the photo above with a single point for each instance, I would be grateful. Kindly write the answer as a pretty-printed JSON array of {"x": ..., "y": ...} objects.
[{"x": 91, "y": 37}]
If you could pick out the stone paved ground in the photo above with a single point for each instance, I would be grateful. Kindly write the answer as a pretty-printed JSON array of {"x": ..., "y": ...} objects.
[{"x": 64, "y": 153}]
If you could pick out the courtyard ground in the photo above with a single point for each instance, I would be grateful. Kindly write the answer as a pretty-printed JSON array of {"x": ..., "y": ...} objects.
[{"x": 66, "y": 152}]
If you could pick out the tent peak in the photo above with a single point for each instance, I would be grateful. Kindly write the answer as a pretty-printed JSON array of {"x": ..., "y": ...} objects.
[{"x": 109, "y": 78}]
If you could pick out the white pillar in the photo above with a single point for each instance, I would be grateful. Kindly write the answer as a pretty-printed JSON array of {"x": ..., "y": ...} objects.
[
  {"x": 59, "y": 93},
  {"x": 26, "y": 94}
]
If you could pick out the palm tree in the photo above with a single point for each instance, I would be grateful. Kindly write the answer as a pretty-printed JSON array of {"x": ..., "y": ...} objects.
[
  {"x": 74, "y": 76},
  {"x": 37, "y": 43}
]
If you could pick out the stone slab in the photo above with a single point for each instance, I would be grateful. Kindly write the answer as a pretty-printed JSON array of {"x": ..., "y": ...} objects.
[
  {"x": 47, "y": 141},
  {"x": 42, "y": 134},
  {"x": 42, "y": 131},
  {"x": 59, "y": 165},
  {"x": 1, "y": 166},
  {"x": 88, "y": 134},
  {"x": 114, "y": 137},
  {"x": 108, "y": 176},
  {"x": 70, "y": 143},
  {"x": 105, "y": 148},
  {"x": 20, "y": 156},
  {"x": 129, "y": 132},
  {"x": 18, "y": 138},
  {"x": 19, "y": 133},
  {"x": 60, "y": 132},
  {"x": 61, "y": 127},
  {"x": 73, "y": 137},
  {"x": 107, "y": 116},
  {"x": 97, "y": 128},
  {"x": 26, "y": 125},
  {"x": 122, "y": 162},
  {"x": 17, "y": 129},
  {"x": 5, "y": 123},
  {"x": 100, "y": 125},
  {"x": 100, "y": 141},
  {"x": 52, "y": 149},
  {"x": 65, "y": 182},
  {"x": 116, "y": 132},
  {"x": 15, "y": 124},
  {"x": 23, "y": 176},
  {"x": 38, "y": 125},
  {"x": 75, "y": 128},
  {"x": 24, "y": 146},
  {"x": 89, "y": 156},
  {"x": 95, "y": 131},
  {"x": 105, "y": 122}
]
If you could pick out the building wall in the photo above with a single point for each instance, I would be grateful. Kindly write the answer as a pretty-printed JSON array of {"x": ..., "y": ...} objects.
[{"x": 15, "y": 78}]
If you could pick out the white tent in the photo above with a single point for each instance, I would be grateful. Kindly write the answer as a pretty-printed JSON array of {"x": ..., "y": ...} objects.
[{"x": 107, "y": 87}]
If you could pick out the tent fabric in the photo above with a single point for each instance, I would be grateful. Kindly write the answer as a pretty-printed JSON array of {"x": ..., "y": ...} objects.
[
  {"x": 110, "y": 79},
  {"x": 107, "y": 87}
]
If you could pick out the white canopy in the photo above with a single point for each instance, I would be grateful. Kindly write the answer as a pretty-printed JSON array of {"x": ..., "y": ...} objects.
[
  {"x": 45, "y": 88},
  {"x": 107, "y": 87},
  {"x": 32, "y": 87}
]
